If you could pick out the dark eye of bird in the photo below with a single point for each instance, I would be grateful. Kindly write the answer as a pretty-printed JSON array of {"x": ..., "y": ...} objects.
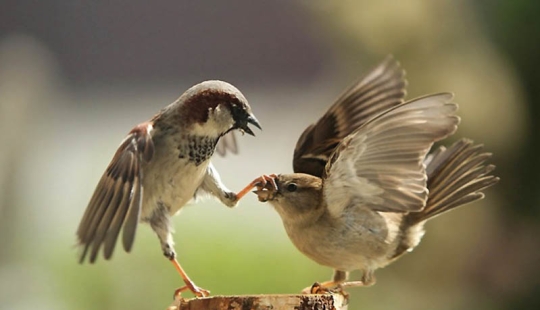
[{"x": 292, "y": 187}]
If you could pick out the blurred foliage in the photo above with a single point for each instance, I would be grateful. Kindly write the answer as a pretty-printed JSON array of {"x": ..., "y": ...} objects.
[{"x": 514, "y": 26}]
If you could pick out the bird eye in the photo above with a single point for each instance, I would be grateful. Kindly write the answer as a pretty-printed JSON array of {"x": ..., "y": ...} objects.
[{"x": 292, "y": 187}]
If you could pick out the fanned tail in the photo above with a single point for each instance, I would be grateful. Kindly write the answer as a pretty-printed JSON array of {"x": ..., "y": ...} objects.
[{"x": 456, "y": 176}]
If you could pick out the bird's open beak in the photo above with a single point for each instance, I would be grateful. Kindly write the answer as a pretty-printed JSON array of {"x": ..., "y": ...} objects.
[{"x": 251, "y": 119}]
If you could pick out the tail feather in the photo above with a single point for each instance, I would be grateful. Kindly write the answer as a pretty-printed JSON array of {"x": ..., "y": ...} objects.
[{"x": 456, "y": 176}]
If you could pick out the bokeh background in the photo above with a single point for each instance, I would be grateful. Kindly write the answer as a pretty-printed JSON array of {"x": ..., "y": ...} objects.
[{"x": 75, "y": 76}]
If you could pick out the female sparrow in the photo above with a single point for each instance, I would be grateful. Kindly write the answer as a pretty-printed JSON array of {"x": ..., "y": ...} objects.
[{"x": 364, "y": 184}]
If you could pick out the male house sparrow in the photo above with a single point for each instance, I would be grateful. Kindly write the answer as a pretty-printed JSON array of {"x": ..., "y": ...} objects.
[
  {"x": 364, "y": 185},
  {"x": 160, "y": 166}
]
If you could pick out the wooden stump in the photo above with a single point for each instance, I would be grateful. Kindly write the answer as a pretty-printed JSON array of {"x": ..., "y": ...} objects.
[{"x": 264, "y": 302}]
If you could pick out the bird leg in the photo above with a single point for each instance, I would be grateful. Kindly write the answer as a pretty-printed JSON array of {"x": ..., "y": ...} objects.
[
  {"x": 161, "y": 226},
  {"x": 368, "y": 279},
  {"x": 197, "y": 291},
  {"x": 260, "y": 182},
  {"x": 190, "y": 285}
]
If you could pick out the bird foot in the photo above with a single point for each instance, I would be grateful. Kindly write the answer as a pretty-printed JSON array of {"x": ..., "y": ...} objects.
[
  {"x": 320, "y": 288},
  {"x": 316, "y": 288},
  {"x": 266, "y": 187},
  {"x": 197, "y": 291},
  {"x": 266, "y": 181},
  {"x": 263, "y": 182},
  {"x": 325, "y": 288}
]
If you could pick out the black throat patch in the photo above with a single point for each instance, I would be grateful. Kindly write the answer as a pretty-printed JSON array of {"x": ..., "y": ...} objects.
[{"x": 197, "y": 149}]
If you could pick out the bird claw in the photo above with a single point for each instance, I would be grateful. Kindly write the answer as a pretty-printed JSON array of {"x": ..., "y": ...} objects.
[
  {"x": 260, "y": 183},
  {"x": 325, "y": 288},
  {"x": 316, "y": 288},
  {"x": 266, "y": 187},
  {"x": 197, "y": 291},
  {"x": 266, "y": 182}
]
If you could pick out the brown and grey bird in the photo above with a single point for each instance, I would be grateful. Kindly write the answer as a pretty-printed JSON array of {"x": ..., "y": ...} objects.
[
  {"x": 364, "y": 184},
  {"x": 160, "y": 166}
]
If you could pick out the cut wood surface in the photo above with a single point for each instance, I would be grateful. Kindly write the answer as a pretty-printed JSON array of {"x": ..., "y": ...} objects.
[{"x": 264, "y": 302}]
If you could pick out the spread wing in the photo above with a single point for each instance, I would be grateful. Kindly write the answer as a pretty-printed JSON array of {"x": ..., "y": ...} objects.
[
  {"x": 227, "y": 143},
  {"x": 117, "y": 200},
  {"x": 381, "y": 89},
  {"x": 381, "y": 165}
]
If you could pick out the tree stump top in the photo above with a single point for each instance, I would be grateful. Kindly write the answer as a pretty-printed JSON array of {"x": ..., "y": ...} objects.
[{"x": 264, "y": 302}]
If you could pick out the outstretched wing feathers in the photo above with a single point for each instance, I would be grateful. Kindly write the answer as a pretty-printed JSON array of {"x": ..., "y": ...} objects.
[
  {"x": 381, "y": 89},
  {"x": 116, "y": 202},
  {"x": 380, "y": 165}
]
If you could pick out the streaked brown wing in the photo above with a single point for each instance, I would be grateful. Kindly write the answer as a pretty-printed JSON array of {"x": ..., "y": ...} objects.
[
  {"x": 381, "y": 89},
  {"x": 381, "y": 165},
  {"x": 227, "y": 143},
  {"x": 117, "y": 200}
]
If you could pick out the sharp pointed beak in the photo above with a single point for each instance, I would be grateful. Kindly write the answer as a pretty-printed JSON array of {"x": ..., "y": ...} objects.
[{"x": 250, "y": 120}]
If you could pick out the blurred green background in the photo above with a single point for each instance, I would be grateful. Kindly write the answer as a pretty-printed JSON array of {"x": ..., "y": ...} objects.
[{"x": 75, "y": 76}]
